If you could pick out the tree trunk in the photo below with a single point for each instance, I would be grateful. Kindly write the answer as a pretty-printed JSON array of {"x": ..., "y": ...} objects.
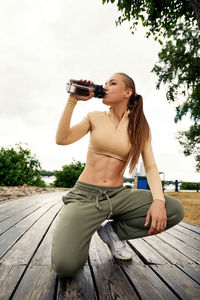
[{"x": 196, "y": 6}]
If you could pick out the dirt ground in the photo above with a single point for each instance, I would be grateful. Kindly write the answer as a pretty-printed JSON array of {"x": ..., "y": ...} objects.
[{"x": 191, "y": 203}]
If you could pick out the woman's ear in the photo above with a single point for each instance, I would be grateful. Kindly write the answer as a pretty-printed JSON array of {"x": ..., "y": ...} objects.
[{"x": 129, "y": 92}]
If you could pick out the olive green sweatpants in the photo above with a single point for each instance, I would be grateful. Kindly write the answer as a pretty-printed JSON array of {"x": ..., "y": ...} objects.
[{"x": 87, "y": 206}]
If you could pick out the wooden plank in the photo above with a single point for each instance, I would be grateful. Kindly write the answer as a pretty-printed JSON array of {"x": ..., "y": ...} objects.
[
  {"x": 186, "y": 231},
  {"x": 11, "y": 203},
  {"x": 8, "y": 238},
  {"x": 181, "y": 246},
  {"x": 78, "y": 287},
  {"x": 110, "y": 280},
  {"x": 112, "y": 283},
  {"x": 192, "y": 270},
  {"x": 147, "y": 283},
  {"x": 192, "y": 227},
  {"x": 167, "y": 250},
  {"x": 43, "y": 254},
  {"x": 30, "y": 240},
  {"x": 184, "y": 238},
  {"x": 24, "y": 202},
  {"x": 22, "y": 205},
  {"x": 9, "y": 211},
  {"x": 38, "y": 283},
  {"x": 179, "y": 282},
  {"x": 9, "y": 277},
  {"x": 148, "y": 254},
  {"x": 19, "y": 215}
]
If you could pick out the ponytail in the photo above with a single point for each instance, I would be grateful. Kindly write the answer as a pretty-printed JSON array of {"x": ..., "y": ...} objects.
[{"x": 138, "y": 127}]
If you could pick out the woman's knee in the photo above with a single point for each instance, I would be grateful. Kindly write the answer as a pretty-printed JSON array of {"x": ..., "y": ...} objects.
[{"x": 66, "y": 267}]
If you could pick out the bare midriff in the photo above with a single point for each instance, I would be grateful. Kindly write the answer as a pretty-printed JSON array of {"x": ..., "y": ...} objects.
[{"x": 102, "y": 170}]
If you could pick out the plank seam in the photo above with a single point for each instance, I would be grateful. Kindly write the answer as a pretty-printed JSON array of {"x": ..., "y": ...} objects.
[
  {"x": 56, "y": 289},
  {"x": 138, "y": 253},
  {"x": 165, "y": 282},
  {"x": 129, "y": 280},
  {"x": 187, "y": 273},
  {"x": 93, "y": 279}
]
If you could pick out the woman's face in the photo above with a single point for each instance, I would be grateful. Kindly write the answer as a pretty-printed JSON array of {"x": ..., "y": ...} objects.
[{"x": 116, "y": 90}]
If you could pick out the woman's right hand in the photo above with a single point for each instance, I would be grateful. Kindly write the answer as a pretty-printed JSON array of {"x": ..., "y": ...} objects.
[{"x": 83, "y": 98}]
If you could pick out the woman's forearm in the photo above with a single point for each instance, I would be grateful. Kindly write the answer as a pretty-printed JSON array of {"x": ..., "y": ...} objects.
[
  {"x": 63, "y": 129},
  {"x": 65, "y": 134},
  {"x": 155, "y": 183},
  {"x": 152, "y": 172}
]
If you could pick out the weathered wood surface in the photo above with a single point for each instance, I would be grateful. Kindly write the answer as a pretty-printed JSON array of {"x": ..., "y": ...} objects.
[{"x": 164, "y": 266}]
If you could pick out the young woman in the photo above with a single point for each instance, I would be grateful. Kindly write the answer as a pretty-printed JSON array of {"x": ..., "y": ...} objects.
[{"x": 117, "y": 137}]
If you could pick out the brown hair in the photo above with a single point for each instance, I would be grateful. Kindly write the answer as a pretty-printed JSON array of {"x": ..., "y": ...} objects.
[{"x": 138, "y": 128}]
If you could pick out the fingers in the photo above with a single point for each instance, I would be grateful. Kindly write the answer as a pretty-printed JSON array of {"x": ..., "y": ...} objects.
[
  {"x": 89, "y": 81},
  {"x": 87, "y": 97},
  {"x": 157, "y": 226},
  {"x": 164, "y": 225},
  {"x": 152, "y": 229},
  {"x": 147, "y": 219}
]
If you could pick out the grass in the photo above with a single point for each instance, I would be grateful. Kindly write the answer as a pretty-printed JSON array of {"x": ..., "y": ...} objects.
[{"x": 191, "y": 203}]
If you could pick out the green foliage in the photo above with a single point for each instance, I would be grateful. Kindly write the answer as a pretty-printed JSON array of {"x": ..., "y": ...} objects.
[
  {"x": 189, "y": 186},
  {"x": 18, "y": 167},
  {"x": 179, "y": 67},
  {"x": 175, "y": 25},
  {"x": 69, "y": 174},
  {"x": 160, "y": 17}
]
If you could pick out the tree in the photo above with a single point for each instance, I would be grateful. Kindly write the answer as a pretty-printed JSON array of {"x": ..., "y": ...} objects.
[
  {"x": 177, "y": 23},
  {"x": 18, "y": 166},
  {"x": 69, "y": 174}
]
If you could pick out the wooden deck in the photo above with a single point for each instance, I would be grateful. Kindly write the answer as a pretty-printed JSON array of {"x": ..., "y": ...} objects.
[{"x": 164, "y": 266}]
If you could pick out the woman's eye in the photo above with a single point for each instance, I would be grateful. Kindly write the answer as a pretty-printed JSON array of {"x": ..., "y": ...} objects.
[{"x": 113, "y": 83}]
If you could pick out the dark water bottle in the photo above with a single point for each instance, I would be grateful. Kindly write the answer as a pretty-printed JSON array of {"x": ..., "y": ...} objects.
[{"x": 81, "y": 88}]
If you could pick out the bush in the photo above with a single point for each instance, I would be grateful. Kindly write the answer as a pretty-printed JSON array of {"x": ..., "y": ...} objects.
[
  {"x": 69, "y": 174},
  {"x": 18, "y": 167},
  {"x": 188, "y": 186}
]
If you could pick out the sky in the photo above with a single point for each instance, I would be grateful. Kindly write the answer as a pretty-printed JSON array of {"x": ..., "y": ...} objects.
[{"x": 43, "y": 44}]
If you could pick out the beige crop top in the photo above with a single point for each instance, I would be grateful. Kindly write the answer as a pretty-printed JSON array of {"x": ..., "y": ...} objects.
[{"x": 107, "y": 139}]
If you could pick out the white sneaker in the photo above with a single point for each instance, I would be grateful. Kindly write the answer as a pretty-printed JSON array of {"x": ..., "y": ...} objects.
[{"x": 119, "y": 248}]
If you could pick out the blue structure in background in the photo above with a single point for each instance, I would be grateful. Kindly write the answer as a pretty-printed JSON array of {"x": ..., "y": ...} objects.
[{"x": 142, "y": 183}]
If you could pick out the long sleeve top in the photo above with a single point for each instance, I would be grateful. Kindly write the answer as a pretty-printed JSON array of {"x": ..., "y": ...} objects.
[{"x": 107, "y": 139}]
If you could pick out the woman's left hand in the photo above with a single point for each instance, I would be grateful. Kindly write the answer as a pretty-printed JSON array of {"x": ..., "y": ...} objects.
[{"x": 157, "y": 211}]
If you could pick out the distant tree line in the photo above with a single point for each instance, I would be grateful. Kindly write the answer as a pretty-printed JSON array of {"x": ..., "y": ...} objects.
[{"x": 47, "y": 173}]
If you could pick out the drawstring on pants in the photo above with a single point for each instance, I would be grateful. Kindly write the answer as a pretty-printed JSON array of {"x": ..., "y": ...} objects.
[
  {"x": 99, "y": 192},
  {"x": 109, "y": 201}
]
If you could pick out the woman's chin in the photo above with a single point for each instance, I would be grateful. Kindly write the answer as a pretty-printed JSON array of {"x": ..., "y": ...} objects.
[{"x": 104, "y": 101}]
